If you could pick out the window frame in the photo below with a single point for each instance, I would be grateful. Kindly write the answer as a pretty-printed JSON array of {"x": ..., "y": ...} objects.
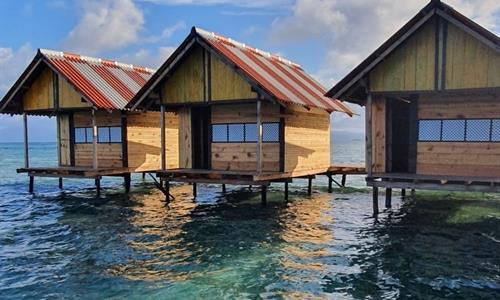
[
  {"x": 464, "y": 140},
  {"x": 245, "y": 141},
  {"x": 109, "y": 134},
  {"x": 85, "y": 128}
]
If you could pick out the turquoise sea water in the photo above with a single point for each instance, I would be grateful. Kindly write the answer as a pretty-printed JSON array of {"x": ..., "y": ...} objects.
[{"x": 70, "y": 244}]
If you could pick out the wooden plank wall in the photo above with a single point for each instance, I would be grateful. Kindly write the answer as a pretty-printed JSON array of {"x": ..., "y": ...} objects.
[
  {"x": 186, "y": 84},
  {"x": 64, "y": 140},
  {"x": 185, "y": 143},
  {"x": 144, "y": 141},
  {"x": 109, "y": 155},
  {"x": 458, "y": 158},
  {"x": 411, "y": 66},
  {"x": 226, "y": 84},
  {"x": 40, "y": 95},
  {"x": 469, "y": 62},
  {"x": 68, "y": 96},
  {"x": 243, "y": 156},
  {"x": 307, "y": 139},
  {"x": 379, "y": 135}
]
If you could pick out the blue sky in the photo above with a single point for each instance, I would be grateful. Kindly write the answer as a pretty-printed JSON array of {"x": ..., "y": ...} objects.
[{"x": 327, "y": 38}]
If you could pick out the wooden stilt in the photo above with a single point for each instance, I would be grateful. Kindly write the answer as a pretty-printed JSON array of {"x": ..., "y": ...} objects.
[
  {"x": 60, "y": 183},
  {"x": 144, "y": 176},
  {"x": 126, "y": 182},
  {"x": 286, "y": 191},
  {"x": 223, "y": 188},
  {"x": 250, "y": 187},
  {"x": 344, "y": 178},
  {"x": 388, "y": 198},
  {"x": 263, "y": 195},
  {"x": 194, "y": 190},
  {"x": 403, "y": 193},
  {"x": 330, "y": 184},
  {"x": 30, "y": 188},
  {"x": 98, "y": 186},
  {"x": 413, "y": 193},
  {"x": 375, "y": 201},
  {"x": 167, "y": 190},
  {"x": 309, "y": 186}
]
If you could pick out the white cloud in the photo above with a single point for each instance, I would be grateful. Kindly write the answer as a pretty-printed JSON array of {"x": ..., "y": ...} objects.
[
  {"x": 12, "y": 64},
  {"x": 148, "y": 58},
  {"x": 105, "y": 25},
  {"x": 166, "y": 33},
  {"x": 241, "y": 3}
]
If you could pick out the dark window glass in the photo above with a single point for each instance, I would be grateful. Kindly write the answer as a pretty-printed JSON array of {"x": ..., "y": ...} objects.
[
  {"x": 453, "y": 130},
  {"x": 115, "y": 134},
  {"x": 495, "y": 131},
  {"x": 429, "y": 130},
  {"x": 103, "y": 134},
  {"x": 89, "y": 134},
  {"x": 251, "y": 132},
  {"x": 219, "y": 133},
  {"x": 236, "y": 132},
  {"x": 270, "y": 132},
  {"x": 80, "y": 135},
  {"x": 478, "y": 130}
]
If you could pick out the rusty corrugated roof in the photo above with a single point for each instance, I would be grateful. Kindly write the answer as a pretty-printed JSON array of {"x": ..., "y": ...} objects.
[
  {"x": 106, "y": 84},
  {"x": 285, "y": 80}
]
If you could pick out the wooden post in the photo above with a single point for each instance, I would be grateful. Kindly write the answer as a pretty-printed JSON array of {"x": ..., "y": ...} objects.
[
  {"x": 98, "y": 187},
  {"x": 223, "y": 188},
  {"x": 126, "y": 182},
  {"x": 167, "y": 190},
  {"x": 30, "y": 189},
  {"x": 143, "y": 175},
  {"x": 330, "y": 184},
  {"x": 375, "y": 201},
  {"x": 309, "y": 186},
  {"x": 413, "y": 193},
  {"x": 60, "y": 183},
  {"x": 259, "y": 139},
  {"x": 286, "y": 191},
  {"x": 162, "y": 137},
  {"x": 195, "y": 192},
  {"x": 368, "y": 134},
  {"x": 58, "y": 129},
  {"x": 250, "y": 187},
  {"x": 263, "y": 195},
  {"x": 388, "y": 197},
  {"x": 26, "y": 148},
  {"x": 94, "y": 141},
  {"x": 403, "y": 193},
  {"x": 344, "y": 177}
]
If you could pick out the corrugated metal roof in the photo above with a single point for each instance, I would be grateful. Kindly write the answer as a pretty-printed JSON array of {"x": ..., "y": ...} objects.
[
  {"x": 285, "y": 80},
  {"x": 107, "y": 84}
]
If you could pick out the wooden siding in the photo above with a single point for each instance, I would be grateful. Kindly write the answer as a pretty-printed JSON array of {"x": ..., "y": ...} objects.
[
  {"x": 469, "y": 62},
  {"x": 226, "y": 84},
  {"x": 459, "y": 107},
  {"x": 186, "y": 84},
  {"x": 411, "y": 66},
  {"x": 40, "y": 94},
  {"x": 307, "y": 139},
  {"x": 244, "y": 113},
  {"x": 144, "y": 141},
  {"x": 379, "y": 135},
  {"x": 108, "y": 155},
  {"x": 64, "y": 140},
  {"x": 68, "y": 97},
  {"x": 185, "y": 143},
  {"x": 243, "y": 156}
]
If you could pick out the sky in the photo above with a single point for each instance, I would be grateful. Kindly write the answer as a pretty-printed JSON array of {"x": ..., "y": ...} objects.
[{"x": 326, "y": 37}]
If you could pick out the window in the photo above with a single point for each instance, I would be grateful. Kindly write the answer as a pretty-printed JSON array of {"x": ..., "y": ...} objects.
[
  {"x": 244, "y": 133},
  {"x": 103, "y": 134},
  {"x": 464, "y": 130},
  {"x": 83, "y": 135},
  {"x": 109, "y": 134}
]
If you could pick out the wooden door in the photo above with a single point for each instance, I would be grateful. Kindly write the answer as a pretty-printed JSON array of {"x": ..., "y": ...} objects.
[{"x": 64, "y": 140}]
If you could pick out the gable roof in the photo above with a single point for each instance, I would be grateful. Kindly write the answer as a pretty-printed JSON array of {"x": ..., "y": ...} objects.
[
  {"x": 434, "y": 7},
  {"x": 279, "y": 78},
  {"x": 104, "y": 83}
]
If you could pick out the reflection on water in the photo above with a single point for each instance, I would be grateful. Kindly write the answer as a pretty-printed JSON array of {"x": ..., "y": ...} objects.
[{"x": 69, "y": 244}]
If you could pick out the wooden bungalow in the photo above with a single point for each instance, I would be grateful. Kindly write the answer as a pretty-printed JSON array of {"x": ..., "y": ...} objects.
[
  {"x": 432, "y": 100},
  {"x": 245, "y": 116},
  {"x": 96, "y": 135}
]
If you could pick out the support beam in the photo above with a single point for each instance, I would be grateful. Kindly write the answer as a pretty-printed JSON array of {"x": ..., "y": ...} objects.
[
  {"x": 344, "y": 178},
  {"x": 162, "y": 137},
  {"x": 223, "y": 188},
  {"x": 98, "y": 187},
  {"x": 30, "y": 188},
  {"x": 286, "y": 191},
  {"x": 403, "y": 193},
  {"x": 26, "y": 148},
  {"x": 94, "y": 141},
  {"x": 195, "y": 192},
  {"x": 388, "y": 197},
  {"x": 375, "y": 201},
  {"x": 259, "y": 139},
  {"x": 167, "y": 191},
  {"x": 60, "y": 183},
  {"x": 368, "y": 133},
  {"x": 330, "y": 184},
  {"x": 263, "y": 195},
  {"x": 126, "y": 182},
  {"x": 144, "y": 176},
  {"x": 309, "y": 185}
]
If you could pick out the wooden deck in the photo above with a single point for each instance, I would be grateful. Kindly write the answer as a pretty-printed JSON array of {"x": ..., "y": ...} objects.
[{"x": 73, "y": 172}]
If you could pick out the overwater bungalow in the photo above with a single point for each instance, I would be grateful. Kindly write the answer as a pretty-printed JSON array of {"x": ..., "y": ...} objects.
[
  {"x": 96, "y": 135},
  {"x": 245, "y": 116},
  {"x": 431, "y": 94}
]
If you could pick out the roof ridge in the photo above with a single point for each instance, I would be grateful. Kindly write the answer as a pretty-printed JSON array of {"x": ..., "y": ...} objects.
[
  {"x": 49, "y": 52},
  {"x": 213, "y": 35}
]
